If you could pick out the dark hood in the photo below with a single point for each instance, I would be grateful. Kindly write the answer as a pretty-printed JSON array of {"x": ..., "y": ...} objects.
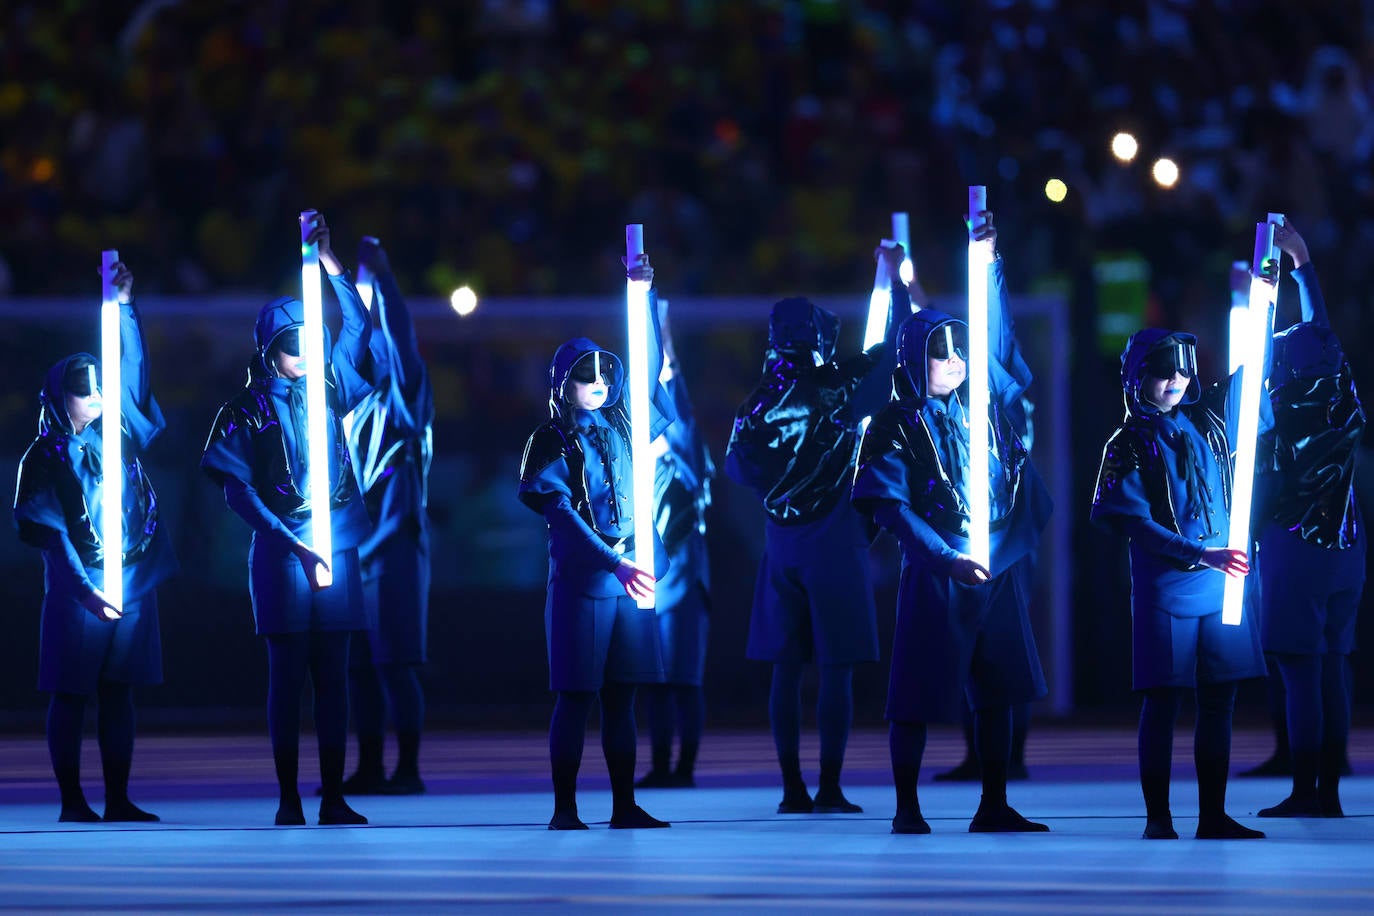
[
  {"x": 274, "y": 319},
  {"x": 1140, "y": 346},
  {"x": 1305, "y": 352},
  {"x": 563, "y": 361},
  {"x": 52, "y": 400},
  {"x": 797, "y": 326},
  {"x": 913, "y": 339}
]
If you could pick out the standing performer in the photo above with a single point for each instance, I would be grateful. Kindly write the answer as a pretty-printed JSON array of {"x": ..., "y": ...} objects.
[
  {"x": 963, "y": 636},
  {"x": 576, "y": 473},
  {"x": 682, "y": 492},
  {"x": 794, "y": 444},
  {"x": 1165, "y": 483},
  {"x": 89, "y": 646},
  {"x": 389, "y": 444},
  {"x": 1312, "y": 543},
  {"x": 257, "y": 453}
]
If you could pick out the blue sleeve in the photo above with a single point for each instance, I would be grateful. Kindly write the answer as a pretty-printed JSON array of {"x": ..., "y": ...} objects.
[
  {"x": 1310, "y": 295},
  {"x": 244, "y": 500},
  {"x": 351, "y": 360},
  {"x": 1123, "y": 508},
  {"x": 573, "y": 534},
  {"x": 65, "y": 565},
  {"x": 882, "y": 492},
  {"x": 1010, "y": 374},
  {"x": 142, "y": 416},
  {"x": 661, "y": 410},
  {"x": 874, "y": 384},
  {"x": 408, "y": 370}
]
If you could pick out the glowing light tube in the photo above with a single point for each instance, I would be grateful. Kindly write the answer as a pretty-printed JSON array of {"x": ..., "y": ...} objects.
[
  {"x": 1257, "y": 330},
  {"x": 901, "y": 234},
  {"x": 637, "y": 388},
  {"x": 316, "y": 411},
  {"x": 111, "y": 429},
  {"x": 979, "y": 261}
]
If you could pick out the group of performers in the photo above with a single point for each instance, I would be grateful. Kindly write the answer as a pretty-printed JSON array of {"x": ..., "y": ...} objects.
[{"x": 963, "y": 647}]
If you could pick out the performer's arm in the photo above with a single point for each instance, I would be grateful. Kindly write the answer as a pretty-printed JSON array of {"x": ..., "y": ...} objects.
[{"x": 248, "y": 505}]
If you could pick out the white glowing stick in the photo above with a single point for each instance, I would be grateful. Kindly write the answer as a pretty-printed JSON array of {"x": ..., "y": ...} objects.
[
  {"x": 111, "y": 429},
  {"x": 637, "y": 389},
  {"x": 1247, "y": 420},
  {"x": 1240, "y": 315},
  {"x": 316, "y": 411},
  {"x": 979, "y": 261},
  {"x": 901, "y": 234}
]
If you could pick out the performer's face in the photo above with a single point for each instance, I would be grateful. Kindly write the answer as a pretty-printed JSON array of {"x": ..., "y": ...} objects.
[
  {"x": 945, "y": 375},
  {"x": 84, "y": 408},
  {"x": 1165, "y": 393},
  {"x": 589, "y": 395},
  {"x": 288, "y": 366}
]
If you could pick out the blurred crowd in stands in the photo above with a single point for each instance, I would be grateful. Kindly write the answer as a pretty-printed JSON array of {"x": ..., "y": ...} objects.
[{"x": 503, "y": 143}]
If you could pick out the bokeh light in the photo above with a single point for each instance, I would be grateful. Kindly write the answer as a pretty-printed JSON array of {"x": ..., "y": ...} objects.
[
  {"x": 1056, "y": 190},
  {"x": 463, "y": 300},
  {"x": 1124, "y": 146},
  {"x": 1165, "y": 173}
]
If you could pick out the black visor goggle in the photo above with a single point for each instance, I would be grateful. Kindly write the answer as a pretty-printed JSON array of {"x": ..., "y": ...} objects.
[
  {"x": 1176, "y": 359},
  {"x": 949, "y": 340},
  {"x": 288, "y": 342},
  {"x": 82, "y": 381},
  {"x": 589, "y": 367}
]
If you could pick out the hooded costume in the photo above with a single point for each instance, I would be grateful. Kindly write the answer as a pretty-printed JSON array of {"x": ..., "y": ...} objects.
[
  {"x": 794, "y": 443},
  {"x": 1312, "y": 540},
  {"x": 257, "y": 451},
  {"x": 953, "y": 640},
  {"x": 58, "y": 509},
  {"x": 575, "y": 472},
  {"x": 1165, "y": 483}
]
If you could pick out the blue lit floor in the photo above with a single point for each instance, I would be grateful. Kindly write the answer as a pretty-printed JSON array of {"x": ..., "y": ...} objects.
[{"x": 478, "y": 840}]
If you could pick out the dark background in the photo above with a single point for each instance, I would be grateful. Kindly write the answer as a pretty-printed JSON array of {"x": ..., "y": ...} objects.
[{"x": 763, "y": 145}]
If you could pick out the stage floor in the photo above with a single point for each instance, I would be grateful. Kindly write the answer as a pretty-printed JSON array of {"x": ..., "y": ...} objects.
[{"x": 478, "y": 839}]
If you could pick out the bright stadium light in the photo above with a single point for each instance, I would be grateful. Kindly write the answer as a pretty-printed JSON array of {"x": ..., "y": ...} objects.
[
  {"x": 1165, "y": 172},
  {"x": 316, "y": 410},
  {"x": 979, "y": 262},
  {"x": 638, "y": 385},
  {"x": 111, "y": 431},
  {"x": 463, "y": 300},
  {"x": 1125, "y": 147}
]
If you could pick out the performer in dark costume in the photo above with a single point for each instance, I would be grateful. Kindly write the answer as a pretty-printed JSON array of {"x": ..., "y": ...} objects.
[
  {"x": 576, "y": 473},
  {"x": 390, "y": 447},
  {"x": 963, "y": 636},
  {"x": 682, "y": 493},
  {"x": 794, "y": 443},
  {"x": 88, "y": 646},
  {"x": 1165, "y": 483},
  {"x": 257, "y": 452},
  {"x": 1311, "y": 543}
]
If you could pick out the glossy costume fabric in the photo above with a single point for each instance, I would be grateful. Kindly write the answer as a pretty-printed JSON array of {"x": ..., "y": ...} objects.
[
  {"x": 58, "y": 510},
  {"x": 575, "y": 472},
  {"x": 1312, "y": 543},
  {"x": 390, "y": 449},
  {"x": 794, "y": 443},
  {"x": 1165, "y": 483},
  {"x": 256, "y": 452},
  {"x": 955, "y": 646}
]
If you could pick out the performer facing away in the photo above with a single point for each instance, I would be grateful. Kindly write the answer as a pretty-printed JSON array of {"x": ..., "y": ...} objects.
[
  {"x": 576, "y": 473},
  {"x": 963, "y": 636},
  {"x": 682, "y": 493},
  {"x": 1311, "y": 541},
  {"x": 794, "y": 443},
  {"x": 1165, "y": 483},
  {"x": 88, "y": 646},
  {"x": 257, "y": 453},
  {"x": 390, "y": 449}
]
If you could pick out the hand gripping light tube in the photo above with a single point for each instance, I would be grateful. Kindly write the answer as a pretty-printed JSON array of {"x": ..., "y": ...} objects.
[
  {"x": 111, "y": 428},
  {"x": 316, "y": 411},
  {"x": 637, "y": 389},
  {"x": 879, "y": 301},
  {"x": 1257, "y": 330},
  {"x": 979, "y": 261},
  {"x": 901, "y": 234}
]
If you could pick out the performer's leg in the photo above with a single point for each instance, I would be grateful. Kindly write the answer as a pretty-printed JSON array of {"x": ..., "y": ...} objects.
[
  {"x": 1155, "y": 751},
  {"x": 784, "y": 714},
  {"x": 115, "y": 732},
  {"x": 1280, "y": 762},
  {"x": 1212, "y": 758},
  {"x": 287, "y": 663},
  {"x": 618, "y": 741},
  {"x": 906, "y": 743},
  {"x": 658, "y": 698},
  {"x": 1332, "y": 762},
  {"x": 567, "y": 735},
  {"x": 992, "y": 731},
  {"x": 690, "y": 701},
  {"x": 965, "y": 770},
  {"x": 1020, "y": 725},
  {"x": 329, "y": 676},
  {"x": 66, "y": 714},
  {"x": 367, "y": 700},
  {"x": 834, "y": 716},
  {"x": 1302, "y": 682},
  {"x": 407, "y": 697}
]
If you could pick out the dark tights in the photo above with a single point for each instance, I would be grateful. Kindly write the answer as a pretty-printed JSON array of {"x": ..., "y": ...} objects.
[
  {"x": 374, "y": 690},
  {"x": 1211, "y": 747},
  {"x": 1318, "y": 719},
  {"x": 834, "y": 714},
  {"x": 115, "y": 734},
  {"x": 685, "y": 706},
  {"x": 322, "y": 658},
  {"x": 992, "y": 728},
  {"x": 568, "y": 735}
]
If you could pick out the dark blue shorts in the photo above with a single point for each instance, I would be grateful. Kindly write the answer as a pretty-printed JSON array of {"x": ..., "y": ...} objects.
[
  {"x": 1173, "y": 651},
  {"x": 77, "y": 651},
  {"x": 682, "y": 632},
  {"x": 284, "y": 603},
  {"x": 594, "y": 640},
  {"x": 396, "y": 590},
  {"x": 1309, "y": 595}
]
